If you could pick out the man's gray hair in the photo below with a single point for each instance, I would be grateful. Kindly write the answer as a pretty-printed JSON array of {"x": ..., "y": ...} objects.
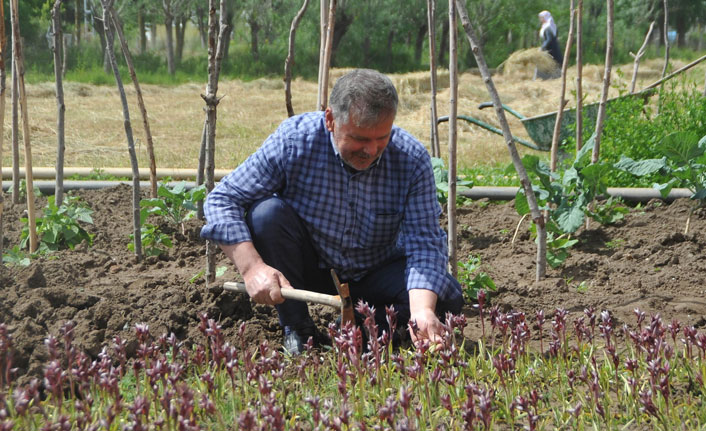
[{"x": 364, "y": 94}]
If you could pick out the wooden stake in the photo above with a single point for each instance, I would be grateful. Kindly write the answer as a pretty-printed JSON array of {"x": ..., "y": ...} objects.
[
  {"x": 19, "y": 64},
  {"x": 140, "y": 101},
  {"x": 323, "y": 8},
  {"x": 15, "y": 127},
  {"x": 57, "y": 50},
  {"x": 215, "y": 56},
  {"x": 507, "y": 134},
  {"x": 453, "y": 109},
  {"x": 638, "y": 56},
  {"x": 3, "y": 79},
  {"x": 289, "y": 62},
  {"x": 327, "y": 54},
  {"x": 562, "y": 98},
  {"x": 110, "y": 41},
  {"x": 579, "y": 76},
  {"x": 606, "y": 83},
  {"x": 431, "y": 24}
]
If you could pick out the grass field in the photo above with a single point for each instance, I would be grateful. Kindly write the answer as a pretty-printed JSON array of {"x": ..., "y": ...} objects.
[{"x": 249, "y": 111}]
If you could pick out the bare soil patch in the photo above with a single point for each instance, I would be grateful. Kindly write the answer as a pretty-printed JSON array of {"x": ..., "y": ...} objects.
[{"x": 643, "y": 262}]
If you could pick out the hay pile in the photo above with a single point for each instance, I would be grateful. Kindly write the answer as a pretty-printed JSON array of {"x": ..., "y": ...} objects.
[{"x": 526, "y": 60}]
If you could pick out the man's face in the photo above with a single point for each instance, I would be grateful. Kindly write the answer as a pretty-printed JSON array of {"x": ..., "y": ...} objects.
[{"x": 359, "y": 146}]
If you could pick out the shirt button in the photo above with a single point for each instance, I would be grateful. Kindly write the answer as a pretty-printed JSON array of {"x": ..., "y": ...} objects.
[{"x": 350, "y": 204}]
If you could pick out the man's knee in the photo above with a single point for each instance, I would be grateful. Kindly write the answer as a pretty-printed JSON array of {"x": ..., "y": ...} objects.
[{"x": 267, "y": 215}]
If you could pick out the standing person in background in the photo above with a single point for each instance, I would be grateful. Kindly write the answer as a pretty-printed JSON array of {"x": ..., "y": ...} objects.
[
  {"x": 345, "y": 189},
  {"x": 550, "y": 43}
]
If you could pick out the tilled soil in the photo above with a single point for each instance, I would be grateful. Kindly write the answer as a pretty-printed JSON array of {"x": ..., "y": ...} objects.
[{"x": 644, "y": 262}]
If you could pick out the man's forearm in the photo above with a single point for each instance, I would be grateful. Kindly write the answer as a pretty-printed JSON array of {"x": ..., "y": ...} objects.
[
  {"x": 422, "y": 299},
  {"x": 243, "y": 255}
]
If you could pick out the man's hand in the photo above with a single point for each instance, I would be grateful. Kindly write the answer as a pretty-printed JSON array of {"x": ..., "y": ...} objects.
[
  {"x": 422, "y": 305},
  {"x": 262, "y": 281}
]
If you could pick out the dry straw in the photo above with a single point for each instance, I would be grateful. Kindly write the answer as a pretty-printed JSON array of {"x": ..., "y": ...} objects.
[{"x": 526, "y": 60}]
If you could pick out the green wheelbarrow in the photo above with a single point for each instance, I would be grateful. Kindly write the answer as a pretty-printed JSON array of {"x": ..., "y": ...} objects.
[{"x": 540, "y": 128}]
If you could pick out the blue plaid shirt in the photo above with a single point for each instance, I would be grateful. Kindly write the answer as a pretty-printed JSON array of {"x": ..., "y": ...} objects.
[{"x": 356, "y": 219}]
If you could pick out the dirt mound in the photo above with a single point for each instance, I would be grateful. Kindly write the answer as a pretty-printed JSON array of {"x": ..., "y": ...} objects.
[{"x": 643, "y": 262}]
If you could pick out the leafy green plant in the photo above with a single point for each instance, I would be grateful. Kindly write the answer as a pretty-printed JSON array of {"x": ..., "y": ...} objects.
[
  {"x": 176, "y": 204},
  {"x": 154, "y": 242},
  {"x": 60, "y": 227},
  {"x": 16, "y": 256},
  {"x": 683, "y": 164},
  {"x": 473, "y": 279},
  {"x": 23, "y": 189},
  {"x": 441, "y": 177},
  {"x": 220, "y": 270}
]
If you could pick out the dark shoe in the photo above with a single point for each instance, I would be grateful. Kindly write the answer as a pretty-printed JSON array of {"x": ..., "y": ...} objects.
[{"x": 295, "y": 340}]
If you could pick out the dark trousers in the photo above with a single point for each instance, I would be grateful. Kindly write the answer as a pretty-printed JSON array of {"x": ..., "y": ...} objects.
[{"x": 284, "y": 243}]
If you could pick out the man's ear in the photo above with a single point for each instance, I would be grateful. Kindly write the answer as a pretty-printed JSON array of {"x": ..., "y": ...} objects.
[{"x": 329, "y": 119}]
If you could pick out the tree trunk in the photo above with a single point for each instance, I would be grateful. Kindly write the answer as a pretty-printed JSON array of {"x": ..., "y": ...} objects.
[
  {"x": 509, "y": 141},
  {"x": 19, "y": 64},
  {"x": 141, "y": 31},
  {"x": 666, "y": 39},
  {"x": 419, "y": 43},
  {"x": 606, "y": 83},
  {"x": 168, "y": 24},
  {"x": 180, "y": 31},
  {"x": 203, "y": 32},
  {"x": 215, "y": 57},
  {"x": 60, "y": 107},
  {"x": 444, "y": 42},
  {"x": 289, "y": 62},
  {"x": 343, "y": 23},
  {"x": 140, "y": 101},
  {"x": 254, "y": 45},
  {"x": 77, "y": 23},
  {"x": 453, "y": 109},
  {"x": 562, "y": 98},
  {"x": 431, "y": 18},
  {"x": 137, "y": 240}
]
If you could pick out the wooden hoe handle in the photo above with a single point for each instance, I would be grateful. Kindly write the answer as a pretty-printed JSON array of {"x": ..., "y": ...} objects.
[{"x": 296, "y": 294}]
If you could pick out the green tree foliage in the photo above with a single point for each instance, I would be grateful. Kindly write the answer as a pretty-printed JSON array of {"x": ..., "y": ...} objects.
[{"x": 379, "y": 34}]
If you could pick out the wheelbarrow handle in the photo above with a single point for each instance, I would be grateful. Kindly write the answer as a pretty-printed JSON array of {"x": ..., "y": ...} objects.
[
  {"x": 295, "y": 294},
  {"x": 505, "y": 107}
]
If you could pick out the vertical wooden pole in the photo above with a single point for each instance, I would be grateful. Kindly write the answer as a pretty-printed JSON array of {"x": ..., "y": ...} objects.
[
  {"x": 453, "y": 109},
  {"x": 562, "y": 98},
  {"x": 215, "y": 57},
  {"x": 3, "y": 80},
  {"x": 509, "y": 141},
  {"x": 60, "y": 107},
  {"x": 15, "y": 127},
  {"x": 140, "y": 101},
  {"x": 19, "y": 64},
  {"x": 289, "y": 62},
  {"x": 579, "y": 76},
  {"x": 431, "y": 24},
  {"x": 327, "y": 54},
  {"x": 666, "y": 38},
  {"x": 109, "y": 42},
  {"x": 323, "y": 7},
  {"x": 606, "y": 83},
  {"x": 638, "y": 56}
]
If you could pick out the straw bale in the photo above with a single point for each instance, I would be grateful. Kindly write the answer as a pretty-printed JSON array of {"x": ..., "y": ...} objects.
[{"x": 527, "y": 59}]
